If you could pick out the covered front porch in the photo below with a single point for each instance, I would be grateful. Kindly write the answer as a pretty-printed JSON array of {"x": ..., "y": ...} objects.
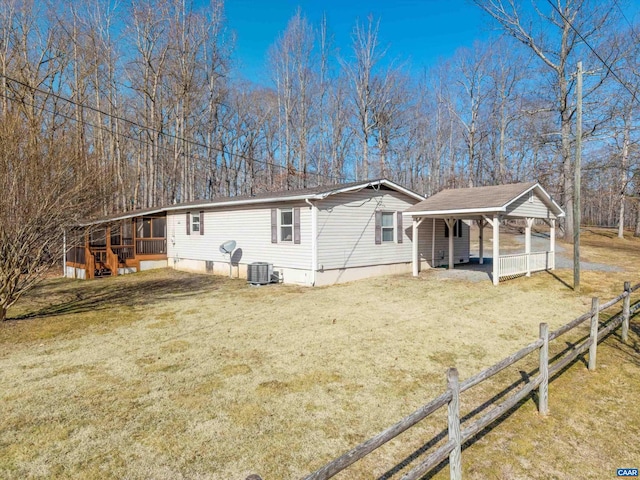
[{"x": 490, "y": 207}]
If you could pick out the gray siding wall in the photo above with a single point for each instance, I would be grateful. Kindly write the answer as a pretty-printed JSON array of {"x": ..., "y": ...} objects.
[
  {"x": 250, "y": 227},
  {"x": 525, "y": 208},
  {"x": 346, "y": 229},
  {"x": 441, "y": 251}
]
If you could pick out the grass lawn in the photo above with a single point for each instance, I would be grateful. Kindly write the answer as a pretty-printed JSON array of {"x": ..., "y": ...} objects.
[{"x": 172, "y": 375}]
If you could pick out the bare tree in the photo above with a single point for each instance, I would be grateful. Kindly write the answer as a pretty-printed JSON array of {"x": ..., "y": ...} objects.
[
  {"x": 553, "y": 38},
  {"x": 45, "y": 189},
  {"x": 367, "y": 54}
]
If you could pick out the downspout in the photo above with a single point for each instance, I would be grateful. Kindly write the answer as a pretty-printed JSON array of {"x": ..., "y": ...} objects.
[{"x": 314, "y": 241}]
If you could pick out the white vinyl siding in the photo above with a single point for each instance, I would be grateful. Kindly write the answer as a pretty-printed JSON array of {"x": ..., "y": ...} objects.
[
  {"x": 250, "y": 227},
  {"x": 523, "y": 207},
  {"x": 346, "y": 229}
]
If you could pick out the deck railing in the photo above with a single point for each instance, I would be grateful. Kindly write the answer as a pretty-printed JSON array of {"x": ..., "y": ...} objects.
[
  {"x": 124, "y": 252},
  {"x": 521, "y": 263},
  {"x": 151, "y": 246}
]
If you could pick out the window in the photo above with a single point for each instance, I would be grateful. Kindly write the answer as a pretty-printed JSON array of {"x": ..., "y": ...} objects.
[
  {"x": 457, "y": 229},
  {"x": 286, "y": 225},
  {"x": 387, "y": 227},
  {"x": 195, "y": 222}
]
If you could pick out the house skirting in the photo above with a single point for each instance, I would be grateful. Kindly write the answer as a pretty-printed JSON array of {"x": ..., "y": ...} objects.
[
  {"x": 295, "y": 276},
  {"x": 341, "y": 275},
  {"x": 75, "y": 272}
]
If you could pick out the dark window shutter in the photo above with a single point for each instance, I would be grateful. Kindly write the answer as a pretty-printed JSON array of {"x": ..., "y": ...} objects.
[
  {"x": 378, "y": 228},
  {"x": 446, "y": 229},
  {"x": 296, "y": 225},
  {"x": 188, "y": 223},
  {"x": 274, "y": 225},
  {"x": 399, "y": 226},
  {"x": 201, "y": 222}
]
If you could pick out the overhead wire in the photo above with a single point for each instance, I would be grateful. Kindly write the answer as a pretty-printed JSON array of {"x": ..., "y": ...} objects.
[
  {"x": 151, "y": 129},
  {"x": 593, "y": 50}
]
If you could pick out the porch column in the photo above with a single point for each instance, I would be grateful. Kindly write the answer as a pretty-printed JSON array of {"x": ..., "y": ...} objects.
[
  {"x": 527, "y": 244},
  {"x": 552, "y": 243},
  {"x": 496, "y": 249},
  {"x": 450, "y": 223},
  {"x": 481, "y": 241},
  {"x": 415, "y": 260},
  {"x": 433, "y": 243}
]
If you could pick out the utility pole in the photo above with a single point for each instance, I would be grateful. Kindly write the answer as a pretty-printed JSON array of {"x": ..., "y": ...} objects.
[{"x": 576, "y": 184}]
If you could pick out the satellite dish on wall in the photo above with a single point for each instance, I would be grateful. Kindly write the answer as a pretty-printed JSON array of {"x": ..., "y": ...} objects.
[{"x": 227, "y": 248}]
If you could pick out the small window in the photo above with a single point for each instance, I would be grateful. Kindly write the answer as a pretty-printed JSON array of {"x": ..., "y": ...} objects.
[
  {"x": 195, "y": 222},
  {"x": 286, "y": 225},
  {"x": 387, "y": 227},
  {"x": 531, "y": 196},
  {"x": 457, "y": 229}
]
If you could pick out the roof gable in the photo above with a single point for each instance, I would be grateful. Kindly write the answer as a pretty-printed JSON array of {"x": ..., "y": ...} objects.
[{"x": 478, "y": 200}]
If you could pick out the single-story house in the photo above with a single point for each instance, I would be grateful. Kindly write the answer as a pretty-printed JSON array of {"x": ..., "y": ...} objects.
[{"x": 315, "y": 236}]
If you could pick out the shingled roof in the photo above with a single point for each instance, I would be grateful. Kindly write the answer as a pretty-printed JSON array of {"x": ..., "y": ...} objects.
[
  {"x": 312, "y": 193},
  {"x": 478, "y": 199}
]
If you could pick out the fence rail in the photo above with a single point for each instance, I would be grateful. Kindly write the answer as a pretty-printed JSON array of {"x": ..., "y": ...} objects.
[{"x": 457, "y": 435}]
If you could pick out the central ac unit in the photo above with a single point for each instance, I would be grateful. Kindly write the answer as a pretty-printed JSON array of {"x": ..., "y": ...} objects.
[{"x": 259, "y": 273}]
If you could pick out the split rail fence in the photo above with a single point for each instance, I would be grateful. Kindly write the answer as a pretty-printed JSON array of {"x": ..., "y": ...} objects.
[{"x": 457, "y": 435}]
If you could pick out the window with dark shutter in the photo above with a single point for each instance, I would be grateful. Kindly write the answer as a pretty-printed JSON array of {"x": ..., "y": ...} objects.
[
  {"x": 378, "y": 228},
  {"x": 201, "y": 222},
  {"x": 399, "y": 226},
  {"x": 195, "y": 222},
  {"x": 188, "y": 222}
]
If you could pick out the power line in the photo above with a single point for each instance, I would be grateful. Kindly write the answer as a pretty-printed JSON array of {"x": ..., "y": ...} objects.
[
  {"x": 615, "y": 75},
  {"x": 150, "y": 129},
  {"x": 633, "y": 31}
]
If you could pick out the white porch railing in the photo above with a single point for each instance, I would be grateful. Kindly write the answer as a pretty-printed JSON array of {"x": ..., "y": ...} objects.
[{"x": 516, "y": 264}]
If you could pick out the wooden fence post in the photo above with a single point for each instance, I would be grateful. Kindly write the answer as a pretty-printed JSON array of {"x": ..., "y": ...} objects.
[
  {"x": 626, "y": 303},
  {"x": 543, "y": 389},
  {"x": 455, "y": 457},
  {"x": 593, "y": 348}
]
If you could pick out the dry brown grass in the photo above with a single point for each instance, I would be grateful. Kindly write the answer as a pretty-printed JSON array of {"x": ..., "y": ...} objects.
[{"x": 170, "y": 375}]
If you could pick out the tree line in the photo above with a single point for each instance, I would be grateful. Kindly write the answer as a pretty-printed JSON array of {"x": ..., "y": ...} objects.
[{"x": 141, "y": 102}]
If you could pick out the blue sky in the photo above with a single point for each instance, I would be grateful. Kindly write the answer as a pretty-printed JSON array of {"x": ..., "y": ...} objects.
[{"x": 421, "y": 32}]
